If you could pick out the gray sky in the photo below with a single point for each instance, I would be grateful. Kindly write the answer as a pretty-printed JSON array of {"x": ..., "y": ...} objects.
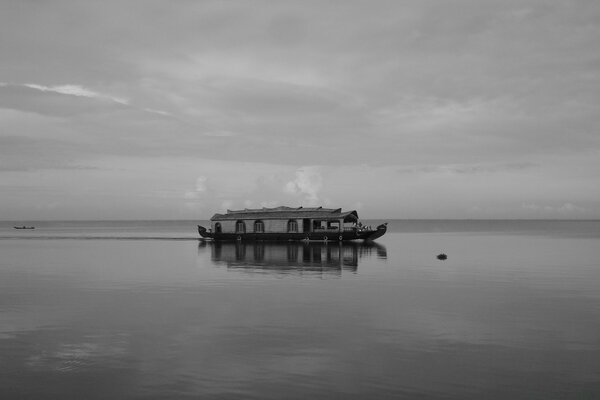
[{"x": 399, "y": 109}]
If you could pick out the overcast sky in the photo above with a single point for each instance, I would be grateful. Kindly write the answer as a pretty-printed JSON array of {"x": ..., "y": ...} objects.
[{"x": 398, "y": 109}]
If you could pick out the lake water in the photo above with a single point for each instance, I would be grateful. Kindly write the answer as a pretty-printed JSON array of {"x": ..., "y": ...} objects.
[{"x": 143, "y": 310}]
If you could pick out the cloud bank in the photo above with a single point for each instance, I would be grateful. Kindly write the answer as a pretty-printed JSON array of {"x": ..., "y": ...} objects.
[{"x": 429, "y": 108}]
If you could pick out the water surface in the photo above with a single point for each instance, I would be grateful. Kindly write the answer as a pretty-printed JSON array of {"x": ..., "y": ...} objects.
[{"x": 141, "y": 310}]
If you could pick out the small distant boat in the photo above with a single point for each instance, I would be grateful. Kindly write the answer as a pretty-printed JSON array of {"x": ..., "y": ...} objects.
[
  {"x": 290, "y": 224},
  {"x": 24, "y": 227}
]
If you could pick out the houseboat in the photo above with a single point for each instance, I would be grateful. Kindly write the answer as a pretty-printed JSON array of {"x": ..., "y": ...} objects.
[{"x": 290, "y": 224}]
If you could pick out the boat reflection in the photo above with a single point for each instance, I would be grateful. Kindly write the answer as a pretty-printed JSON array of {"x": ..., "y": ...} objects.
[{"x": 292, "y": 256}]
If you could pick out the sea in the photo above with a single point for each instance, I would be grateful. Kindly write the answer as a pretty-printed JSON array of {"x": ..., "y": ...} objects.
[{"x": 145, "y": 310}]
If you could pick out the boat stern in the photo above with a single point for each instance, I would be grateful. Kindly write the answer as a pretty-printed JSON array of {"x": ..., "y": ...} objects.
[{"x": 377, "y": 233}]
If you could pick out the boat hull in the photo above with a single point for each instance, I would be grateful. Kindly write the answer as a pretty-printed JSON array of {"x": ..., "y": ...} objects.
[{"x": 318, "y": 236}]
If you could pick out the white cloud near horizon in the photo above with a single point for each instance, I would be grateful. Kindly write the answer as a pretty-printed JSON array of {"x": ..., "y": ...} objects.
[{"x": 307, "y": 183}]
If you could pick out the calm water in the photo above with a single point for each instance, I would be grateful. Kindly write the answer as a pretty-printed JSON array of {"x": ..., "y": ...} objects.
[{"x": 142, "y": 310}]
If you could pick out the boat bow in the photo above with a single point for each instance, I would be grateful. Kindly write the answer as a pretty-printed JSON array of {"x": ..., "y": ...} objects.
[{"x": 203, "y": 232}]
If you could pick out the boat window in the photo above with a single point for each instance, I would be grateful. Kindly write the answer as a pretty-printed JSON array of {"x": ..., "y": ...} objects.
[
  {"x": 292, "y": 225},
  {"x": 240, "y": 227},
  {"x": 318, "y": 225},
  {"x": 218, "y": 227},
  {"x": 259, "y": 226}
]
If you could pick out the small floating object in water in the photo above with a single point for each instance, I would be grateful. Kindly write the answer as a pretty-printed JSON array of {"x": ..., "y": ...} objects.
[{"x": 442, "y": 256}]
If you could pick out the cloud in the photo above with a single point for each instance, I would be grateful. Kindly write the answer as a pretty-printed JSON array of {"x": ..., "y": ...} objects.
[
  {"x": 195, "y": 197},
  {"x": 474, "y": 97},
  {"x": 467, "y": 169},
  {"x": 159, "y": 112},
  {"x": 307, "y": 184},
  {"x": 68, "y": 101},
  {"x": 201, "y": 184},
  {"x": 76, "y": 90},
  {"x": 561, "y": 210},
  {"x": 220, "y": 133}
]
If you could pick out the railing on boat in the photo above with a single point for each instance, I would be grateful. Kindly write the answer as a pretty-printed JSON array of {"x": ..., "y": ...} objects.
[{"x": 346, "y": 229}]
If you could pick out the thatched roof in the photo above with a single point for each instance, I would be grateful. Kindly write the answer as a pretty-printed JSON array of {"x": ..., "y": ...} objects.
[{"x": 288, "y": 213}]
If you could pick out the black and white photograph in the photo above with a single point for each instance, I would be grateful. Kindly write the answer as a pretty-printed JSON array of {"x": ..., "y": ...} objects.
[{"x": 300, "y": 199}]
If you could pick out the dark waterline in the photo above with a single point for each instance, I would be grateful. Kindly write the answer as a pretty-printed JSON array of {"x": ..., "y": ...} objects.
[{"x": 512, "y": 313}]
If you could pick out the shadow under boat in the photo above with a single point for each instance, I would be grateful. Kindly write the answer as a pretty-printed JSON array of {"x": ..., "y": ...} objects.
[{"x": 286, "y": 256}]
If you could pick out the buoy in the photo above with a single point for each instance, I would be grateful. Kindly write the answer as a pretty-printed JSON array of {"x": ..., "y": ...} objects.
[{"x": 442, "y": 256}]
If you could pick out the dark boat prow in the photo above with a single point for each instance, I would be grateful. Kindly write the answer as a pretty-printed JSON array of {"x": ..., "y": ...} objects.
[
  {"x": 203, "y": 232},
  {"x": 379, "y": 232}
]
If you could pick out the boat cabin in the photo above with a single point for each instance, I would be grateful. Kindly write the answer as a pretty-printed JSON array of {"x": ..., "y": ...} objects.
[{"x": 284, "y": 220}]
